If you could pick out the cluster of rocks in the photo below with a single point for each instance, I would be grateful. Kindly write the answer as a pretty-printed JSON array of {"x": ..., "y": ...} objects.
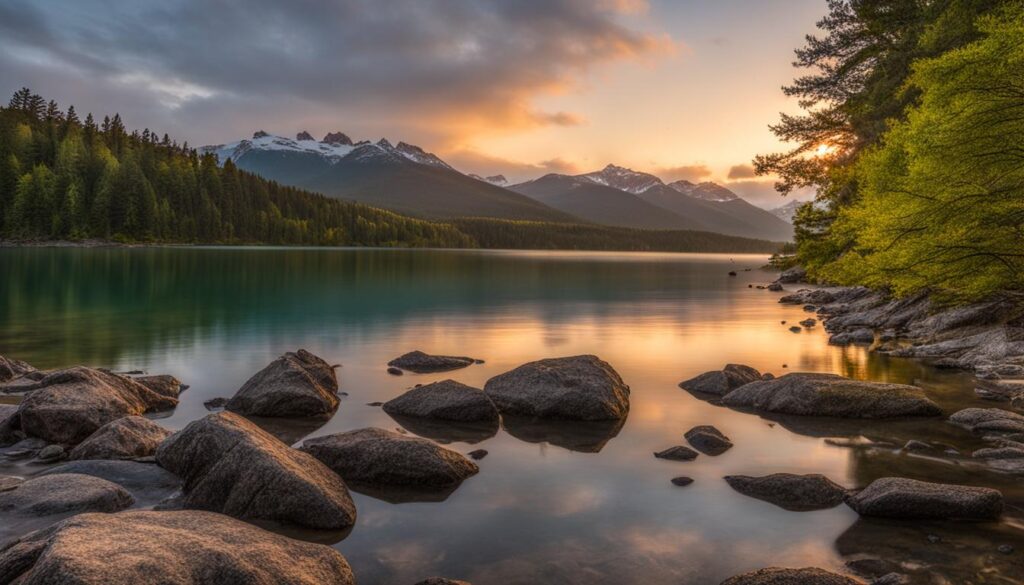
[{"x": 222, "y": 469}]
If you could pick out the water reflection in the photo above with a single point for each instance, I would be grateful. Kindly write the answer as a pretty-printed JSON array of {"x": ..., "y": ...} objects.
[{"x": 552, "y": 503}]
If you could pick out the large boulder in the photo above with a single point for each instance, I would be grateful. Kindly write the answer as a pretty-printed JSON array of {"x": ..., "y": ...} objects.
[
  {"x": 708, "y": 440},
  {"x": 897, "y": 497},
  {"x": 779, "y": 576},
  {"x": 721, "y": 382},
  {"x": 832, "y": 395},
  {"x": 582, "y": 387},
  {"x": 446, "y": 400},
  {"x": 424, "y": 363},
  {"x": 69, "y": 405},
  {"x": 297, "y": 384},
  {"x": 171, "y": 548},
  {"x": 125, "y": 438},
  {"x": 11, "y": 368},
  {"x": 8, "y": 424},
  {"x": 64, "y": 493},
  {"x": 797, "y": 493},
  {"x": 376, "y": 457},
  {"x": 792, "y": 275},
  {"x": 230, "y": 465}
]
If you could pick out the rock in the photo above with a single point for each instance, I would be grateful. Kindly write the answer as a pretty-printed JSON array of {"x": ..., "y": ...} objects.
[
  {"x": 8, "y": 482},
  {"x": 124, "y": 438},
  {"x": 809, "y": 323},
  {"x": 64, "y": 493},
  {"x": 682, "y": 481},
  {"x": 477, "y": 454},
  {"x": 377, "y": 457},
  {"x": 795, "y": 329},
  {"x": 148, "y": 483},
  {"x": 859, "y": 335},
  {"x": 297, "y": 384},
  {"x": 445, "y": 400},
  {"x": 872, "y": 568},
  {"x": 797, "y": 493},
  {"x": 988, "y": 419},
  {"x": 69, "y": 405},
  {"x": 172, "y": 548},
  {"x": 11, "y": 368},
  {"x": 677, "y": 453},
  {"x": 395, "y": 371},
  {"x": 708, "y": 440},
  {"x": 832, "y": 395},
  {"x": 890, "y": 579},
  {"x": 1000, "y": 391},
  {"x": 422, "y": 363},
  {"x": 895, "y": 497},
  {"x": 230, "y": 465},
  {"x": 215, "y": 404},
  {"x": 1005, "y": 549},
  {"x": 777, "y": 576},
  {"x": 721, "y": 382},
  {"x": 810, "y": 308},
  {"x": 792, "y": 275},
  {"x": 163, "y": 385},
  {"x": 9, "y": 433},
  {"x": 999, "y": 453},
  {"x": 442, "y": 581},
  {"x": 581, "y": 388},
  {"x": 732, "y": 273},
  {"x": 50, "y": 453},
  {"x": 776, "y": 287}
]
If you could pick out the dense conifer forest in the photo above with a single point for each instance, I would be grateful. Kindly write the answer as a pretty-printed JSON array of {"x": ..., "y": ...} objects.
[{"x": 63, "y": 177}]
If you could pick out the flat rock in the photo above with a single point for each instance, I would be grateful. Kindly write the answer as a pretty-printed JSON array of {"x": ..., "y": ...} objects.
[
  {"x": 999, "y": 453},
  {"x": 170, "y": 548},
  {"x": 69, "y": 405},
  {"x": 64, "y": 493},
  {"x": 708, "y": 440},
  {"x": 859, "y": 335},
  {"x": 297, "y": 384},
  {"x": 988, "y": 419},
  {"x": 424, "y": 363},
  {"x": 445, "y": 400},
  {"x": 162, "y": 384},
  {"x": 797, "y": 493},
  {"x": 779, "y": 576},
  {"x": 677, "y": 453},
  {"x": 148, "y": 482},
  {"x": 832, "y": 395},
  {"x": 895, "y": 497},
  {"x": 582, "y": 387},
  {"x": 721, "y": 382},
  {"x": 230, "y": 465},
  {"x": 125, "y": 438},
  {"x": 11, "y": 368},
  {"x": 378, "y": 457}
]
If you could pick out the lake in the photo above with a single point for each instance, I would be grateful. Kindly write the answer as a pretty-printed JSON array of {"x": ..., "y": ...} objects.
[{"x": 550, "y": 504}]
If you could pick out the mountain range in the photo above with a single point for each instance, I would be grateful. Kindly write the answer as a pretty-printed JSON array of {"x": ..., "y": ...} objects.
[{"x": 407, "y": 179}]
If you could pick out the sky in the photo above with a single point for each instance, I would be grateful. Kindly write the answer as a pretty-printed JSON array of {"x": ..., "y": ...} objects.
[{"x": 684, "y": 89}]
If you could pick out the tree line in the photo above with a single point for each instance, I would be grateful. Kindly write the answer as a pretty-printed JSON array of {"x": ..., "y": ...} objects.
[
  {"x": 912, "y": 135},
  {"x": 67, "y": 178}
]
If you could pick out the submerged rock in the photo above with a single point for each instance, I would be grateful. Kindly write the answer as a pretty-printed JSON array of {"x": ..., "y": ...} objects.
[
  {"x": 797, "y": 493},
  {"x": 172, "y": 548},
  {"x": 64, "y": 493},
  {"x": 230, "y": 465},
  {"x": 297, "y": 384},
  {"x": 896, "y": 497},
  {"x": 423, "y": 363},
  {"x": 445, "y": 400},
  {"x": 374, "y": 456},
  {"x": 124, "y": 438},
  {"x": 778, "y": 576},
  {"x": 69, "y": 405},
  {"x": 721, "y": 382},
  {"x": 581, "y": 387},
  {"x": 832, "y": 395},
  {"x": 708, "y": 440},
  {"x": 677, "y": 453}
]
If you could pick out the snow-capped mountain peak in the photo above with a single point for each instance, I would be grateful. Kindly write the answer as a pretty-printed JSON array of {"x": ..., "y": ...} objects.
[
  {"x": 787, "y": 211},
  {"x": 498, "y": 180},
  {"x": 622, "y": 178},
  {"x": 708, "y": 191},
  {"x": 304, "y": 136}
]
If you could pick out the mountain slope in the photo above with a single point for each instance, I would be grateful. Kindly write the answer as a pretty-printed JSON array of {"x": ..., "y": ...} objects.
[
  {"x": 402, "y": 178},
  {"x": 600, "y": 203}
]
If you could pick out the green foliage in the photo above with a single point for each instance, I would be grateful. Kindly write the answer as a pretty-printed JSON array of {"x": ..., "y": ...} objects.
[{"x": 942, "y": 198}]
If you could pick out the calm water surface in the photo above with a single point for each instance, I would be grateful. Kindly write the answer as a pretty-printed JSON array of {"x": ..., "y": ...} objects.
[{"x": 550, "y": 505}]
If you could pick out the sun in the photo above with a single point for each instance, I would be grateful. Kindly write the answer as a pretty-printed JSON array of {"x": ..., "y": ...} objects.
[{"x": 824, "y": 150}]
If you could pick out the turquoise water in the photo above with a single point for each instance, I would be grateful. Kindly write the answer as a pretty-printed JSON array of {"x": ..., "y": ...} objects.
[{"x": 550, "y": 504}]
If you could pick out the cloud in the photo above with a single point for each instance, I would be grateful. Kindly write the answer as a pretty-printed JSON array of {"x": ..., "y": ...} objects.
[
  {"x": 693, "y": 173},
  {"x": 433, "y": 69},
  {"x": 471, "y": 161},
  {"x": 742, "y": 171}
]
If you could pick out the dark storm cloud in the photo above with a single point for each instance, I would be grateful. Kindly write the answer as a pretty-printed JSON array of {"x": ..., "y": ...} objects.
[{"x": 436, "y": 69}]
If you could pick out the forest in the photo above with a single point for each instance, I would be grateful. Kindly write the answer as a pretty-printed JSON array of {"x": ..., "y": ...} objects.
[
  {"x": 67, "y": 178},
  {"x": 913, "y": 136}
]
